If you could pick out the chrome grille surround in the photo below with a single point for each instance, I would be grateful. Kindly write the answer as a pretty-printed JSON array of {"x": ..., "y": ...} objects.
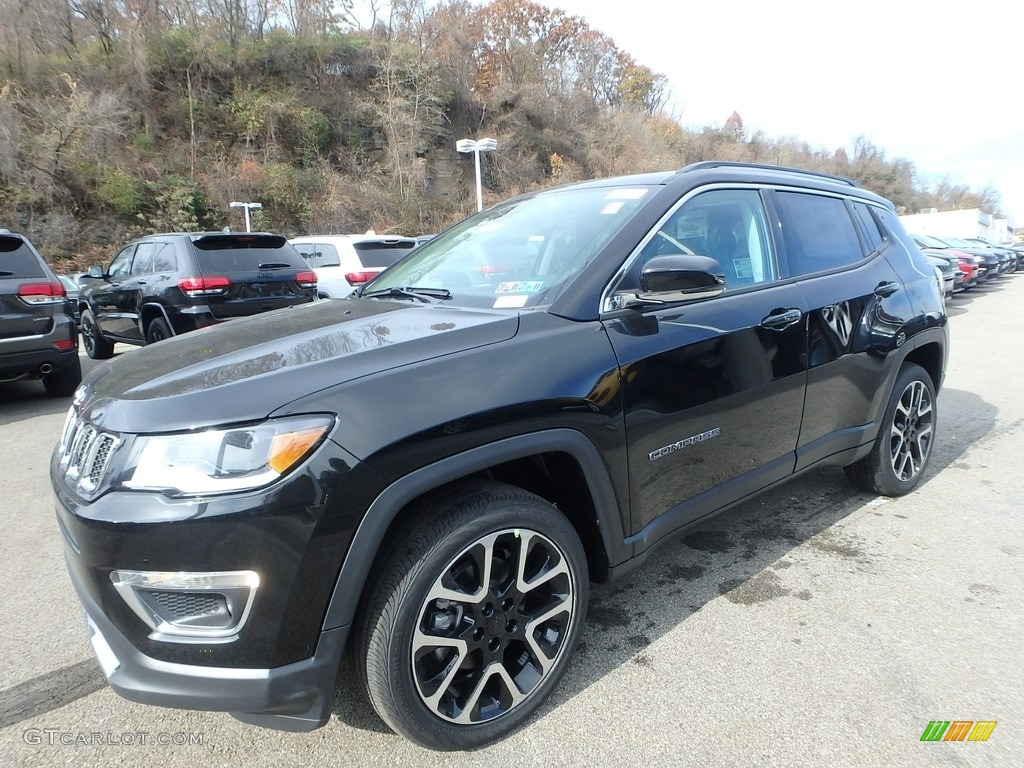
[{"x": 85, "y": 455}]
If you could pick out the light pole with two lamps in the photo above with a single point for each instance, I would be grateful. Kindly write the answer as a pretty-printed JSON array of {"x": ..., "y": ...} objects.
[
  {"x": 466, "y": 146},
  {"x": 248, "y": 207}
]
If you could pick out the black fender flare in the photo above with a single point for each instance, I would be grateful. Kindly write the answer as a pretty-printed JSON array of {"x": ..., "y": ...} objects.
[
  {"x": 369, "y": 536},
  {"x": 162, "y": 312}
]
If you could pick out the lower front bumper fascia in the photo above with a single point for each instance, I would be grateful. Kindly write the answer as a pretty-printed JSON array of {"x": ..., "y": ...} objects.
[{"x": 294, "y": 697}]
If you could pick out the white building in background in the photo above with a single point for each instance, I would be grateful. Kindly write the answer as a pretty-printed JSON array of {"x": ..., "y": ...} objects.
[{"x": 972, "y": 222}]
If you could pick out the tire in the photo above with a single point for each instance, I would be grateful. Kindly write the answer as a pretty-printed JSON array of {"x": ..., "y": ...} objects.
[
  {"x": 899, "y": 456},
  {"x": 449, "y": 663},
  {"x": 63, "y": 382},
  {"x": 96, "y": 345},
  {"x": 157, "y": 330}
]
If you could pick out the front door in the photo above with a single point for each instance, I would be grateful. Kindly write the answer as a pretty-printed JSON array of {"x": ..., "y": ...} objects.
[{"x": 713, "y": 390}]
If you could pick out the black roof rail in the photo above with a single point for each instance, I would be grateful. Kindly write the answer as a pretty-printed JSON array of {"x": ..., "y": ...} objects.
[{"x": 767, "y": 167}]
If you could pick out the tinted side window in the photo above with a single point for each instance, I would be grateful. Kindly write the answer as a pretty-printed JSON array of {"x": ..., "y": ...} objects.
[
  {"x": 730, "y": 226},
  {"x": 818, "y": 232},
  {"x": 142, "y": 264},
  {"x": 326, "y": 256},
  {"x": 122, "y": 262},
  {"x": 868, "y": 226},
  {"x": 164, "y": 259},
  {"x": 895, "y": 229}
]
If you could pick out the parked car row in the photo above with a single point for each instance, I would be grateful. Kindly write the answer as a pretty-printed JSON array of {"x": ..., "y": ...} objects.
[{"x": 968, "y": 262}]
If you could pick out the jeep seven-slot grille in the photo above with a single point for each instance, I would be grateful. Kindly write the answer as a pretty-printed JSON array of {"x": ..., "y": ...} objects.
[{"x": 86, "y": 453}]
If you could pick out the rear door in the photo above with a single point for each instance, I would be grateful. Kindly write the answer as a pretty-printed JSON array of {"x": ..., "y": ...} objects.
[
  {"x": 857, "y": 309},
  {"x": 713, "y": 390},
  {"x": 244, "y": 274}
]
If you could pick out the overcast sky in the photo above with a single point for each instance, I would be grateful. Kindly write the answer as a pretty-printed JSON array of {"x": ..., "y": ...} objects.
[{"x": 937, "y": 84}]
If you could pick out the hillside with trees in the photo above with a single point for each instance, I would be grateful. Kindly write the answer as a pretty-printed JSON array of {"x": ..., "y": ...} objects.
[{"x": 122, "y": 117}]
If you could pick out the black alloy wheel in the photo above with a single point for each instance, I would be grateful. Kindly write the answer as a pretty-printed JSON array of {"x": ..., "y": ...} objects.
[
  {"x": 900, "y": 454},
  {"x": 471, "y": 627}
]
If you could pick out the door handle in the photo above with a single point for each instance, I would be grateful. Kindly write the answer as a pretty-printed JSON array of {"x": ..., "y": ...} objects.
[
  {"x": 141, "y": 282},
  {"x": 886, "y": 289},
  {"x": 782, "y": 318}
]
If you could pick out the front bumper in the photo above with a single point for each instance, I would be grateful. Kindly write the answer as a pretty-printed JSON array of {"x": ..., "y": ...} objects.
[
  {"x": 294, "y": 697},
  {"x": 280, "y": 670}
]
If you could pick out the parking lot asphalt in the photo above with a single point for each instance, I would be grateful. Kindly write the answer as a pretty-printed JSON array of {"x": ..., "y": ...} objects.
[{"x": 812, "y": 626}]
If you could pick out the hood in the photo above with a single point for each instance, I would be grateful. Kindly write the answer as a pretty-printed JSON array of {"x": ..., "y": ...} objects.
[{"x": 244, "y": 369}]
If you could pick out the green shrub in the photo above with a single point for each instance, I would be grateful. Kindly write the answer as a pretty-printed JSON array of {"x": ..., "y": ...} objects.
[{"x": 119, "y": 192}]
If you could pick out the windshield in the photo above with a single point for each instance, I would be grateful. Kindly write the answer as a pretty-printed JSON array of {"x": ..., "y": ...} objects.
[{"x": 518, "y": 254}]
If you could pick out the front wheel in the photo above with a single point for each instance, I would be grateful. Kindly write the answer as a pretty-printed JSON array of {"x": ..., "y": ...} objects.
[
  {"x": 901, "y": 451},
  {"x": 471, "y": 621}
]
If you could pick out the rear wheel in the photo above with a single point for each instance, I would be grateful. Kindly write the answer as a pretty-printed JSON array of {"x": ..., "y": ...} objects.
[
  {"x": 63, "y": 382},
  {"x": 471, "y": 621},
  {"x": 157, "y": 330},
  {"x": 96, "y": 346},
  {"x": 901, "y": 451}
]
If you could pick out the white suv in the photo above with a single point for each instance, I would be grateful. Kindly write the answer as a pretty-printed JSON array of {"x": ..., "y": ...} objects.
[{"x": 342, "y": 262}]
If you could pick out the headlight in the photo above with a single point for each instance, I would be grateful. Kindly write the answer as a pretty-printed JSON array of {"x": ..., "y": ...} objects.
[{"x": 223, "y": 460}]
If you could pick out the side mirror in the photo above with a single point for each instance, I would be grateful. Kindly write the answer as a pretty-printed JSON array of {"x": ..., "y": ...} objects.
[
  {"x": 95, "y": 272},
  {"x": 675, "y": 278},
  {"x": 682, "y": 274}
]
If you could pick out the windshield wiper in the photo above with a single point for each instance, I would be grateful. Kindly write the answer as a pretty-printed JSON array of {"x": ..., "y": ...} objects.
[
  {"x": 425, "y": 295},
  {"x": 274, "y": 265}
]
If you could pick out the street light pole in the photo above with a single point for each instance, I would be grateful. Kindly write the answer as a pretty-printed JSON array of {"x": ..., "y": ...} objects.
[
  {"x": 247, "y": 207},
  {"x": 466, "y": 146}
]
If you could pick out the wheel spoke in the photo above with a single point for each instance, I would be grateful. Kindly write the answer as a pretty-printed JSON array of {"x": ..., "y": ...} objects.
[
  {"x": 425, "y": 643},
  {"x": 544, "y": 573},
  {"x": 470, "y": 713},
  {"x": 482, "y": 557},
  {"x": 534, "y": 625}
]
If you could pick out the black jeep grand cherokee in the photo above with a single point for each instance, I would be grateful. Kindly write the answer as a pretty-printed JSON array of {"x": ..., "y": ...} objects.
[{"x": 428, "y": 475}]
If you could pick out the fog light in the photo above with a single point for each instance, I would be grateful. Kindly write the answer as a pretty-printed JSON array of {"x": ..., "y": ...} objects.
[{"x": 187, "y": 607}]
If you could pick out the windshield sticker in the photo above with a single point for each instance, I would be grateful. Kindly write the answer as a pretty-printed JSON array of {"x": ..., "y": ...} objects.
[
  {"x": 626, "y": 194},
  {"x": 525, "y": 286},
  {"x": 611, "y": 208},
  {"x": 510, "y": 302}
]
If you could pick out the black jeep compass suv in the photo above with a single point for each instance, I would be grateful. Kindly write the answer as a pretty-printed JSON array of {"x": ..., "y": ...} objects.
[{"x": 427, "y": 476}]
